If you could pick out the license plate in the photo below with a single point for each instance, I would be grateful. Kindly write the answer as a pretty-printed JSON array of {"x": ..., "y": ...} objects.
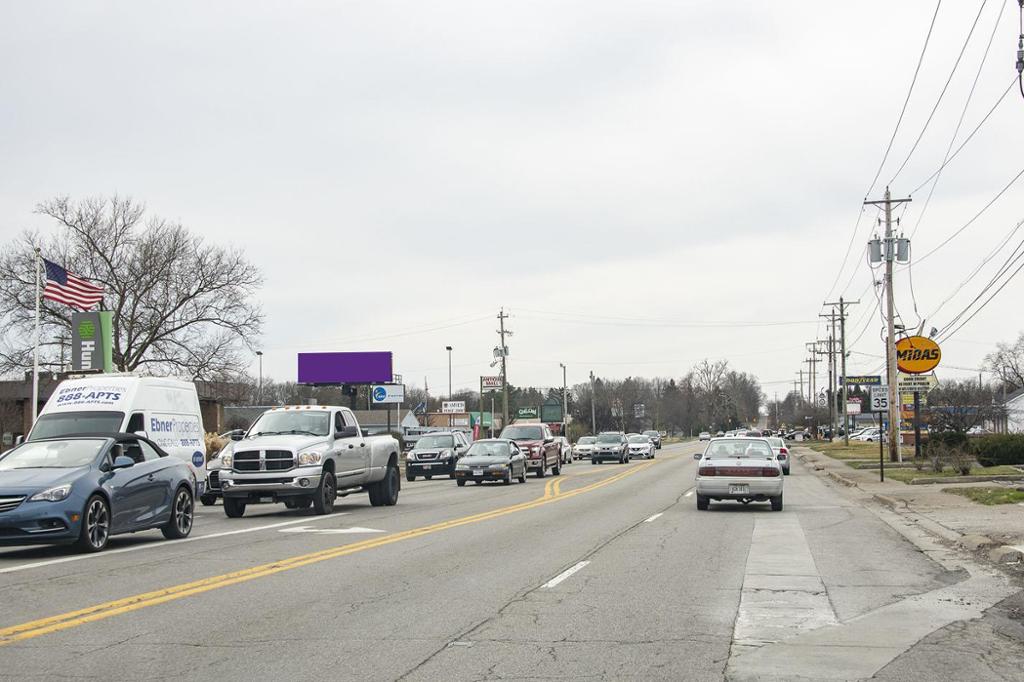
[
  {"x": 478, "y": 472},
  {"x": 426, "y": 466},
  {"x": 200, "y": 488},
  {"x": 738, "y": 489}
]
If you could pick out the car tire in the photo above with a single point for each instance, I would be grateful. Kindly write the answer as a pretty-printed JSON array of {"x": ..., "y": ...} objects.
[
  {"x": 182, "y": 515},
  {"x": 409, "y": 477},
  {"x": 776, "y": 503},
  {"x": 703, "y": 503},
  {"x": 451, "y": 476},
  {"x": 542, "y": 472},
  {"x": 208, "y": 500},
  {"x": 460, "y": 482},
  {"x": 234, "y": 508},
  {"x": 522, "y": 476},
  {"x": 326, "y": 492},
  {"x": 557, "y": 469},
  {"x": 384, "y": 493},
  {"x": 428, "y": 476},
  {"x": 508, "y": 477},
  {"x": 593, "y": 461},
  {"x": 785, "y": 472},
  {"x": 95, "y": 530}
]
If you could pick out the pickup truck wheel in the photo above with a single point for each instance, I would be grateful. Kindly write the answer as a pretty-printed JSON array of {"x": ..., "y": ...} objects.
[
  {"x": 234, "y": 508},
  {"x": 410, "y": 477},
  {"x": 593, "y": 460},
  {"x": 384, "y": 493},
  {"x": 542, "y": 472},
  {"x": 557, "y": 469},
  {"x": 461, "y": 482},
  {"x": 323, "y": 500},
  {"x": 208, "y": 500}
]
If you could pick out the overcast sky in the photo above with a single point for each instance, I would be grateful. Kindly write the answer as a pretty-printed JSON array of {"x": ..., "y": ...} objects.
[{"x": 617, "y": 175}]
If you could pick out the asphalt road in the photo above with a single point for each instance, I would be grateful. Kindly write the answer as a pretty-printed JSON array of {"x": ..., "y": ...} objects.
[{"x": 606, "y": 572}]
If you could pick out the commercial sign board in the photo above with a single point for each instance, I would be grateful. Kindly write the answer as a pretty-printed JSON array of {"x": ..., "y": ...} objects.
[
  {"x": 639, "y": 410},
  {"x": 863, "y": 380},
  {"x": 853, "y": 407},
  {"x": 916, "y": 383},
  {"x": 551, "y": 412},
  {"x": 917, "y": 355},
  {"x": 527, "y": 413},
  {"x": 382, "y": 394},
  {"x": 92, "y": 341},
  {"x": 345, "y": 368},
  {"x": 490, "y": 383},
  {"x": 453, "y": 406}
]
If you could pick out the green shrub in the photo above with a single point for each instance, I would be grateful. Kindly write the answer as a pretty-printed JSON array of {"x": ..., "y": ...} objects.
[
  {"x": 999, "y": 448},
  {"x": 948, "y": 438}
]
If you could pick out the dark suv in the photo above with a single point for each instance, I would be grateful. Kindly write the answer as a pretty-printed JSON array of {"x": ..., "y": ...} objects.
[
  {"x": 435, "y": 454},
  {"x": 655, "y": 436},
  {"x": 538, "y": 444},
  {"x": 610, "y": 445}
]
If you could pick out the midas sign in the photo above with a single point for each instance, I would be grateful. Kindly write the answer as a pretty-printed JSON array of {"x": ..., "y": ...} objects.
[{"x": 917, "y": 355}]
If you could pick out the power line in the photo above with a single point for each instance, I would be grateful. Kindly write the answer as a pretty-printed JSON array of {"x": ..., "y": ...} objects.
[
  {"x": 963, "y": 113},
  {"x": 942, "y": 94}
]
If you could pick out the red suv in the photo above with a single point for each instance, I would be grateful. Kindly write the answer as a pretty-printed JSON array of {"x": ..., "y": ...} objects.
[{"x": 538, "y": 444}]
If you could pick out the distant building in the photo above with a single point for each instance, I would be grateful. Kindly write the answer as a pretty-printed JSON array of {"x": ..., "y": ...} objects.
[{"x": 1015, "y": 412}]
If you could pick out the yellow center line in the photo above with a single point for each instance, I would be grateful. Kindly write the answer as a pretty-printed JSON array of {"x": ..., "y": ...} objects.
[{"x": 44, "y": 626}]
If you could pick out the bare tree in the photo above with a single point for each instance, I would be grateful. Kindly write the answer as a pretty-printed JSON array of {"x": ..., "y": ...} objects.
[
  {"x": 181, "y": 306},
  {"x": 961, "y": 405},
  {"x": 1007, "y": 361}
]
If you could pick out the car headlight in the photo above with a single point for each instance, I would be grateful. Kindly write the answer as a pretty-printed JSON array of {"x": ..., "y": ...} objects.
[
  {"x": 410, "y": 456},
  {"x": 55, "y": 494},
  {"x": 535, "y": 449},
  {"x": 461, "y": 467},
  {"x": 226, "y": 461},
  {"x": 307, "y": 459},
  {"x": 445, "y": 454},
  {"x": 500, "y": 466}
]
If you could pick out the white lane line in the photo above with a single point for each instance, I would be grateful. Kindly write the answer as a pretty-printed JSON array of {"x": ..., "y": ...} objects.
[
  {"x": 689, "y": 494},
  {"x": 564, "y": 574},
  {"x": 653, "y": 518},
  {"x": 80, "y": 557}
]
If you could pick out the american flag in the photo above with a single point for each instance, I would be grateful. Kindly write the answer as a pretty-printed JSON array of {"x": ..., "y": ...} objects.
[{"x": 64, "y": 287}]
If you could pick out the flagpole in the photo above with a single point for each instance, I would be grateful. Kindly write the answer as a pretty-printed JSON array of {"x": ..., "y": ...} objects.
[{"x": 35, "y": 348}]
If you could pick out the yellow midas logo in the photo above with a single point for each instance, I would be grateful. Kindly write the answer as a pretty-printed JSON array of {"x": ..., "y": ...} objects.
[{"x": 917, "y": 355}]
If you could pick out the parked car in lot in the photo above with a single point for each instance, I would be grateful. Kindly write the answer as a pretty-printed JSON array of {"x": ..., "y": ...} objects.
[
  {"x": 655, "y": 436},
  {"x": 870, "y": 435},
  {"x": 492, "y": 459},
  {"x": 781, "y": 453},
  {"x": 741, "y": 469},
  {"x": 641, "y": 445},
  {"x": 704, "y": 435},
  {"x": 538, "y": 444},
  {"x": 565, "y": 448},
  {"x": 584, "y": 446},
  {"x": 308, "y": 455},
  {"x": 83, "y": 489},
  {"x": 610, "y": 445},
  {"x": 435, "y": 454}
]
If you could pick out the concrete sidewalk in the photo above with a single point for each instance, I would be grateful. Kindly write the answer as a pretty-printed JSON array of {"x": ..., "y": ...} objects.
[{"x": 954, "y": 517}]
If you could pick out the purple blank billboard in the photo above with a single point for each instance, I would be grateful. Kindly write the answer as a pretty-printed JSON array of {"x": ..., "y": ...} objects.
[{"x": 345, "y": 368}]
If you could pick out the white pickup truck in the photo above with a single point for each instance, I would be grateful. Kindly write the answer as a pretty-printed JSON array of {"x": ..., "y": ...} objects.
[{"x": 308, "y": 455}]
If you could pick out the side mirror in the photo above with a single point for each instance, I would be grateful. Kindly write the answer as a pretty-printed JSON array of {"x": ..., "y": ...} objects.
[
  {"x": 238, "y": 435},
  {"x": 698, "y": 455},
  {"x": 549, "y": 440},
  {"x": 123, "y": 462},
  {"x": 19, "y": 440},
  {"x": 347, "y": 432},
  {"x": 142, "y": 433}
]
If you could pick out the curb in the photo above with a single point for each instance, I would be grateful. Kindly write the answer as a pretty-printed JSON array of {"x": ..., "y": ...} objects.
[
  {"x": 890, "y": 502},
  {"x": 838, "y": 478}
]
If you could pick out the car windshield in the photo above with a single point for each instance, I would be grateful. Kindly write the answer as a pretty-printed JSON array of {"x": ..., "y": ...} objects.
[
  {"x": 609, "y": 438},
  {"x": 586, "y": 440},
  {"x": 639, "y": 439},
  {"x": 523, "y": 433},
  {"x": 53, "y": 454},
  {"x": 488, "y": 449},
  {"x": 59, "y": 424},
  {"x": 651, "y": 433},
  {"x": 425, "y": 442},
  {"x": 309, "y": 422},
  {"x": 741, "y": 448},
  {"x": 777, "y": 443}
]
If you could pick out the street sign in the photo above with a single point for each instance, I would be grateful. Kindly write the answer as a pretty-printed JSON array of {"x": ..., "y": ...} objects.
[
  {"x": 879, "y": 398},
  {"x": 387, "y": 394},
  {"x": 639, "y": 410},
  {"x": 490, "y": 382},
  {"x": 917, "y": 355},
  {"x": 863, "y": 380},
  {"x": 853, "y": 407},
  {"x": 527, "y": 413},
  {"x": 822, "y": 400},
  {"x": 916, "y": 383},
  {"x": 616, "y": 408},
  {"x": 453, "y": 406}
]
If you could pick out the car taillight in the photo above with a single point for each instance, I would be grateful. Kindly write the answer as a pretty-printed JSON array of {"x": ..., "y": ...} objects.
[
  {"x": 784, "y": 451},
  {"x": 706, "y": 471},
  {"x": 769, "y": 472}
]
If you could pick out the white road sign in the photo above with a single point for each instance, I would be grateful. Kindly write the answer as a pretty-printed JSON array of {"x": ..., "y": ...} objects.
[
  {"x": 916, "y": 383},
  {"x": 387, "y": 393},
  {"x": 453, "y": 406},
  {"x": 490, "y": 382},
  {"x": 879, "y": 398}
]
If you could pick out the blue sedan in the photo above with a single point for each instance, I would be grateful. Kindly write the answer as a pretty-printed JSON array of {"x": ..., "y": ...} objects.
[{"x": 83, "y": 489}]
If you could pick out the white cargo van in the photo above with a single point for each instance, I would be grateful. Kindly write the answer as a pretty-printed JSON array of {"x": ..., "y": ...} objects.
[{"x": 165, "y": 410}]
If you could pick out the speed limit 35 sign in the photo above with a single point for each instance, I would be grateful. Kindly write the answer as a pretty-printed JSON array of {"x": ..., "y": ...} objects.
[{"x": 879, "y": 398}]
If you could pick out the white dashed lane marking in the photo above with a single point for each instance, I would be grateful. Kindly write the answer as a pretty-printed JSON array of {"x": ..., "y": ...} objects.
[{"x": 565, "y": 574}]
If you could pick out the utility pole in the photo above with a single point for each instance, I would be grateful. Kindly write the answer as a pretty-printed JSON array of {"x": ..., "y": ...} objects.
[
  {"x": 565, "y": 402},
  {"x": 842, "y": 354},
  {"x": 504, "y": 367},
  {"x": 593, "y": 402},
  {"x": 893, "y": 249},
  {"x": 801, "y": 373}
]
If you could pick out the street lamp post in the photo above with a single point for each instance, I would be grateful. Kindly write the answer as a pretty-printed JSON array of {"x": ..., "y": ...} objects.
[
  {"x": 449, "y": 349},
  {"x": 565, "y": 401},
  {"x": 259, "y": 390}
]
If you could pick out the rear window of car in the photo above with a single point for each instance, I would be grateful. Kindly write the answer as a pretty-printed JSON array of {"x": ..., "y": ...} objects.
[
  {"x": 741, "y": 448},
  {"x": 777, "y": 442}
]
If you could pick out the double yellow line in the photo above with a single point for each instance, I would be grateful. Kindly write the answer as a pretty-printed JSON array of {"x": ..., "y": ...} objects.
[{"x": 72, "y": 619}]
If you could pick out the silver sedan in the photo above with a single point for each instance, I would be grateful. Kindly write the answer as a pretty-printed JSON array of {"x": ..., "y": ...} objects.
[{"x": 742, "y": 469}]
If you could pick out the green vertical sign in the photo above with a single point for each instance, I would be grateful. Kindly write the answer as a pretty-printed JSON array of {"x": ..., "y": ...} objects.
[{"x": 92, "y": 335}]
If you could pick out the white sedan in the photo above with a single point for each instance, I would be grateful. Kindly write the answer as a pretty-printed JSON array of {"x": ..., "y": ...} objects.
[
  {"x": 642, "y": 446},
  {"x": 742, "y": 469}
]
